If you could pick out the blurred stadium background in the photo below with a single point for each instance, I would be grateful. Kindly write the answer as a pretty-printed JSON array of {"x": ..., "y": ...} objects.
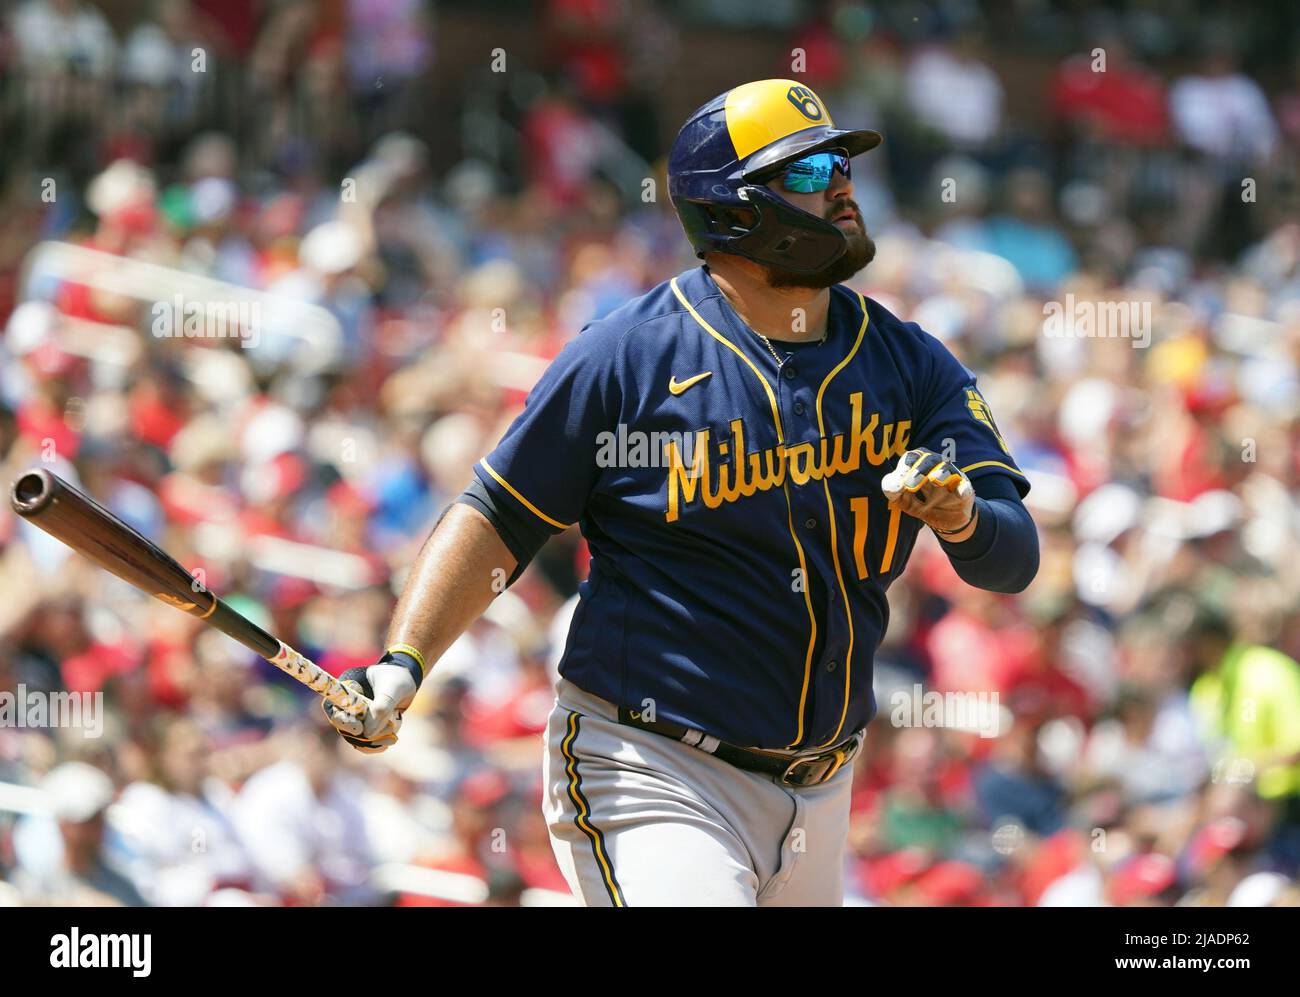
[{"x": 417, "y": 203}]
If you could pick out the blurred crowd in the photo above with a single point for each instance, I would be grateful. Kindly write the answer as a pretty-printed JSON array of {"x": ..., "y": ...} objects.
[{"x": 1149, "y": 726}]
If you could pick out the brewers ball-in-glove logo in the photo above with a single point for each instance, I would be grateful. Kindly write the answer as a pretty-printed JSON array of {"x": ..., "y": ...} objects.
[
  {"x": 979, "y": 408},
  {"x": 805, "y": 101}
]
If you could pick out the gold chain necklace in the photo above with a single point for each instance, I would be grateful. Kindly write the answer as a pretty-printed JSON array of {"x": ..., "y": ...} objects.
[{"x": 768, "y": 343}]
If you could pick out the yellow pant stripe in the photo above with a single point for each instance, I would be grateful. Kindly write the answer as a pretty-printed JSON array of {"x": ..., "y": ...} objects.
[{"x": 582, "y": 818}]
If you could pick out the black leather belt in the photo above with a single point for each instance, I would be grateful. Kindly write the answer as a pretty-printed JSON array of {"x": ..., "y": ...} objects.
[{"x": 793, "y": 770}]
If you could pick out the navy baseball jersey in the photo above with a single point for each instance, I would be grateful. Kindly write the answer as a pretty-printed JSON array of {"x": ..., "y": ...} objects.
[{"x": 740, "y": 544}]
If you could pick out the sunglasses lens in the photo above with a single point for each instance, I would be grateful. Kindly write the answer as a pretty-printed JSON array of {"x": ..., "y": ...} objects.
[{"x": 813, "y": 173}]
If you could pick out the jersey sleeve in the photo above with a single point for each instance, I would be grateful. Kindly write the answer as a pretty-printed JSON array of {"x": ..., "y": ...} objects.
[
  {"x": 957, "y": 422},
  {"x": 545, "y": 466}
]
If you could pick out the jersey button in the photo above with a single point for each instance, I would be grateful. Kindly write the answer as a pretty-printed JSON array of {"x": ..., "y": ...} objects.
[
  {"x": 789, "y": 373},
  {"x": 798, "y": 408},
  {"x": 832, "y": 665},
  {"x": 810, "y": 523}
]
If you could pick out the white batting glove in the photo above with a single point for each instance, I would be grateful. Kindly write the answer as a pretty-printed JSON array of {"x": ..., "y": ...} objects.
[
  {"x": 932, "y": 489},
  {"x": 390, "y": 688}
]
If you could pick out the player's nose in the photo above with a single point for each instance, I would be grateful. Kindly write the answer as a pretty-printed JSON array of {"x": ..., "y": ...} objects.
[{"x": 841, "y": 186}]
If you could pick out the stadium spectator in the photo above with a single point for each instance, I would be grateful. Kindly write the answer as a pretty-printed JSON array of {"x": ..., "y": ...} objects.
[{"x": 76, "y": 872}]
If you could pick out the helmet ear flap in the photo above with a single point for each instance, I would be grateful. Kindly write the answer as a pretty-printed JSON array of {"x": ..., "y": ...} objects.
[
  {"x": 726, "y": 219},
  {"x": 712, "y": 223},
  {"x": 766, "y": 229},
  {"x": 787, "y": 237},
  {"x": 785, "y": 244}
]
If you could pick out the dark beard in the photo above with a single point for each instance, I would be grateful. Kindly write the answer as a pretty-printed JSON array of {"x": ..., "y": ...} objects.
[{"x": 859, "y": 252}]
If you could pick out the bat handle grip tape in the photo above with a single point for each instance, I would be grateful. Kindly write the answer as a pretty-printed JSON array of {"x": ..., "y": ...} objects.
[{"x": 317, "y": 679}]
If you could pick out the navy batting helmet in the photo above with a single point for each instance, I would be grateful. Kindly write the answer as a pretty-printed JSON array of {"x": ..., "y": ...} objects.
[{"x": 729, "y": 148}]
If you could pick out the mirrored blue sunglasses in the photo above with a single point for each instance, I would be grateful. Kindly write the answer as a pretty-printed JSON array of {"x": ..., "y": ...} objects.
[{"x": 813, "y": 173}]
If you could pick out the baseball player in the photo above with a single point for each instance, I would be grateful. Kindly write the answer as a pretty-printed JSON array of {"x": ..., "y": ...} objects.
[{"x": 750, "y": 450}]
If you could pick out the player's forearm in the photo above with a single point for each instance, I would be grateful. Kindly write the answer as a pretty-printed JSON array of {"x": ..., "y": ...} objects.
[
  {"x": 462, "y": 567},
  {"x": 1002, "y": 553}
]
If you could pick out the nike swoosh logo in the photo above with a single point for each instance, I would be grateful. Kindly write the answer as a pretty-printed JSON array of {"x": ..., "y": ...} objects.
[{"x": 677, "y": 387}]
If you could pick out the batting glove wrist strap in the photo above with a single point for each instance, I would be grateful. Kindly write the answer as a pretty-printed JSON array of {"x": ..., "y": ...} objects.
[
  {"x": 409, "y": 658},
  {"x": 974, "y": 511}
]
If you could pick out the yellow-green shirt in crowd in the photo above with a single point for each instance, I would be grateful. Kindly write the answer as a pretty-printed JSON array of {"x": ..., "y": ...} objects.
[{"x": 1251, "y": 703}]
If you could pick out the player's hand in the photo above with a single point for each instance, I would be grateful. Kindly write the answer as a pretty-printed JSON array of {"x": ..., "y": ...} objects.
[
  {"x": 390, "y": 688},
  {"x": 933, "y": 490}
]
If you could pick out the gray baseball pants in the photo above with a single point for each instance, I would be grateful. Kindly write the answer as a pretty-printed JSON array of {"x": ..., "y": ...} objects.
[{"x": 638, "y": 819}]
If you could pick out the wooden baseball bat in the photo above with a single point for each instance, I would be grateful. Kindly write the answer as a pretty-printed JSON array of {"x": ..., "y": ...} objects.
[{"x": 49, "y": 502}]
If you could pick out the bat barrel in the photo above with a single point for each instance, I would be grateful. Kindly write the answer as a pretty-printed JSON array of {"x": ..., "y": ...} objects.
[{"x": 52, "y": 504}]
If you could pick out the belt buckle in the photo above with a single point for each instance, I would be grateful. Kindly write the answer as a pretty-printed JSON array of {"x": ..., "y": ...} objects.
[{"x": 831, "y": 761}]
